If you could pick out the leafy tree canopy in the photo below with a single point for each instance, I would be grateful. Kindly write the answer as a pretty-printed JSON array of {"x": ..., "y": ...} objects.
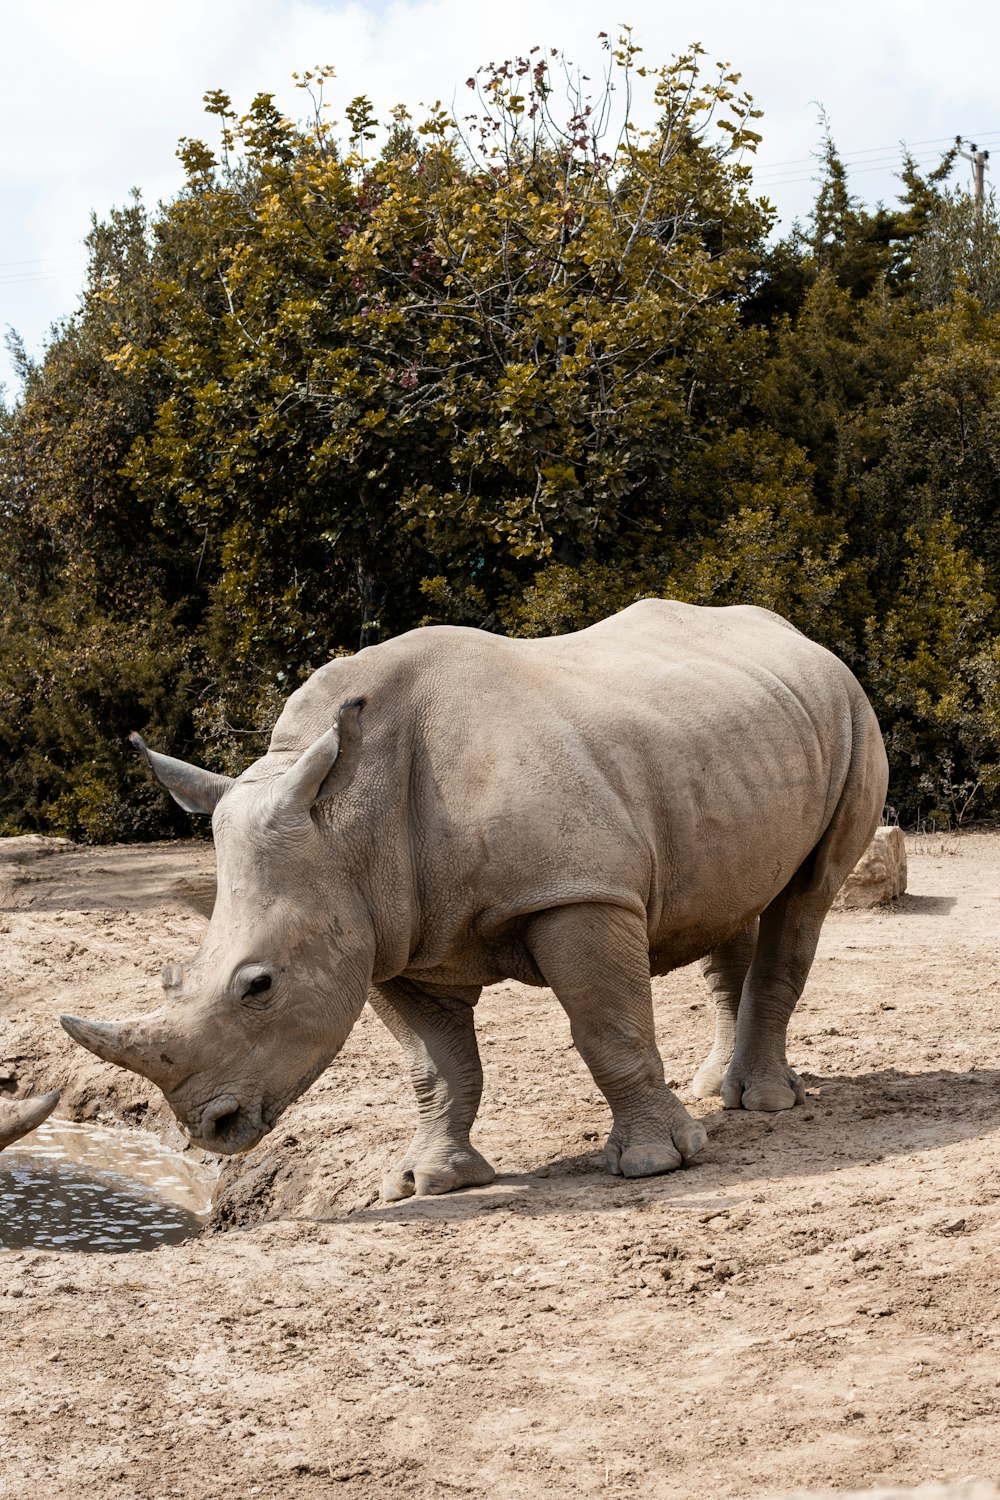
[{"x": 510, "y": 367}]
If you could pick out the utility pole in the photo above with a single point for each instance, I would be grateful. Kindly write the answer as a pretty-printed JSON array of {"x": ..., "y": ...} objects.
[{"x": 978, "y": 160}]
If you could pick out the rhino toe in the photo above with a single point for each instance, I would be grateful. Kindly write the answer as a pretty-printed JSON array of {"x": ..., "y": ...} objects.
[
  {"x": 772, "y": 1090},
  {"x": 707, "y": 1082},
  {"x": 649, "y": 1161},
  {"x": 397, "y": 1185},
  {"x": 647, "y": 1152},
  {"x": 433, "y": 1172}
]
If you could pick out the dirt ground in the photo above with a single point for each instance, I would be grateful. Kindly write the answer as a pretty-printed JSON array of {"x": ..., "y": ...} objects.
[{"x": 815, "y": 1305}]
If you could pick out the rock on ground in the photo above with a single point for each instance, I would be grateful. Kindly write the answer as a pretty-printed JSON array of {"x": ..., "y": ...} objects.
[{"x": 879, "y": 875}]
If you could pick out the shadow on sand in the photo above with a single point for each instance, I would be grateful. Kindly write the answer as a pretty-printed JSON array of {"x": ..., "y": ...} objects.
[
  {"x": 910, "y": 904},
  {"x": 133, "y": 877},
  {"x": 889, "y": 1113}
]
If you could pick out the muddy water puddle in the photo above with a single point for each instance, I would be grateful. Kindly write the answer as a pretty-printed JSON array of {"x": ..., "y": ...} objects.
[{"x": 91, "y": 1187}]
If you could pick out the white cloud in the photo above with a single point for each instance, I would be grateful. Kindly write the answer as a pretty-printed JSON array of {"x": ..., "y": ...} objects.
[{"x": 98, "y": 93}]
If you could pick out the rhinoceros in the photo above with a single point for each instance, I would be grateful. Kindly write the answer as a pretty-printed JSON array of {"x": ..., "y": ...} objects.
[
  {"x": 19, "y": 1116},
  {"x": 451, "y": 808}
]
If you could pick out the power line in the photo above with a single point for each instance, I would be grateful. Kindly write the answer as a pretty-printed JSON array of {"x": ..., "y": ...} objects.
[
  {"x": 43, "y": 276},
  {"x": 42, "y": 260},
  {"x": 883, "y": 166},
  {"x": 815, "y": 175},
  {"x": 845, "y": 156},
  {"x": 879, "y": 164},
  {"x": 873, "y": 166}
]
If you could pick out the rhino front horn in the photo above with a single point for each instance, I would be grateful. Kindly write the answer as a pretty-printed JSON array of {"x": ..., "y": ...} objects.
[
  {"x": 128, "y": 1044},
  {"x": 18, "y": 1116}
]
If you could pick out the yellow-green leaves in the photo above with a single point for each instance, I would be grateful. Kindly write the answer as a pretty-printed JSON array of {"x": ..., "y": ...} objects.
[{"x": 511, "y": 364}]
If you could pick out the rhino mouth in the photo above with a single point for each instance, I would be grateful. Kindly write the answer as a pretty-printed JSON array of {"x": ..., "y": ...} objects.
[{"x": 227, "y": 1127}]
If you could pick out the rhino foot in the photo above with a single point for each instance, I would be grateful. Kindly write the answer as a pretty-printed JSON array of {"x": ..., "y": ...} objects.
[
  {"x": 645, "y": 1150},
  {"x": 425, "y": 1170},
  {"x": 762, "y": 1088},
  {"x": 707, "y": 1082}
]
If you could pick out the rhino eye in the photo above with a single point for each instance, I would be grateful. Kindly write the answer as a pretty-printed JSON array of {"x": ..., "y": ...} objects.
[{"x": 254, "y": 984}]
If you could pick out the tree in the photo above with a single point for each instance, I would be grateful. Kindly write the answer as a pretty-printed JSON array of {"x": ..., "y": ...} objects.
[
  {"x": 846, "y": 240},
  {"x": 933, "y": 668},
  {"x": 95, "y": 586},
  {"x": 921, "y": 203},
  {"x": 512, "y": 369},
  {"x": 327, "y": 393},
  {"x": 939, "y": 453},
  {"x": 959, "y": 252}
]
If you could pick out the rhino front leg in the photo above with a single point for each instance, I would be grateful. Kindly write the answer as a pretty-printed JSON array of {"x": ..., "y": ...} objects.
[
  {"x": 596, "y": 958},
  {"x": 436, "y": 1031},
  {"x": 725, "y": 969}
]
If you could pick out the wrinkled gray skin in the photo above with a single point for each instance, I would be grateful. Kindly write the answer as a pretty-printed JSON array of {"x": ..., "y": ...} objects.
[
  {"x": 575, "y": 812},
  {"x": 18, "y": 1116}
]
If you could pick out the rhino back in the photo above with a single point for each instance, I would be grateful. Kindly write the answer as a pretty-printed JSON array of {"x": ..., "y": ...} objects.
[{"x": 678, "y": 760}]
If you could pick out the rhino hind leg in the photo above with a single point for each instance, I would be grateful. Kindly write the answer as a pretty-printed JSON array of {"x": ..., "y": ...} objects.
[
  {"x": 436, "y": 1031},
  {"x": 596, "y": 959},
  {"x": 725, "y": 970},
  {"x": 758, "y": 1076}
]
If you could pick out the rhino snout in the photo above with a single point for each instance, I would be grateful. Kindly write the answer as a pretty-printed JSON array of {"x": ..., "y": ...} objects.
[{"x": 226, "y": 1126}]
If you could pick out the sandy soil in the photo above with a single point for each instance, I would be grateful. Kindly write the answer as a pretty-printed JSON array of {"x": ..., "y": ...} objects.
[{"x": 814, "y": 1305}]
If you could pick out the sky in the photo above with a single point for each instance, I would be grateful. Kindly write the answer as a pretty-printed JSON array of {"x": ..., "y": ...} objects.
[{"x": 97, "y": 93}]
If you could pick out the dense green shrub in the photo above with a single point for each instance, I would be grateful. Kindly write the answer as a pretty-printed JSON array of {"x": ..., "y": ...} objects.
[{"x": 503, "y": 371}]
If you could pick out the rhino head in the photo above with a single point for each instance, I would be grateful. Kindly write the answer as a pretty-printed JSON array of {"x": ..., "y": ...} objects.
[{"x": 283, "y": 973}]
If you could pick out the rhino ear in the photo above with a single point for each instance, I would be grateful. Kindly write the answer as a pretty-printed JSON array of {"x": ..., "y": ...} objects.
[
  {"x": 328, "y": 765},
  {"x": 197, "y": 791}
]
